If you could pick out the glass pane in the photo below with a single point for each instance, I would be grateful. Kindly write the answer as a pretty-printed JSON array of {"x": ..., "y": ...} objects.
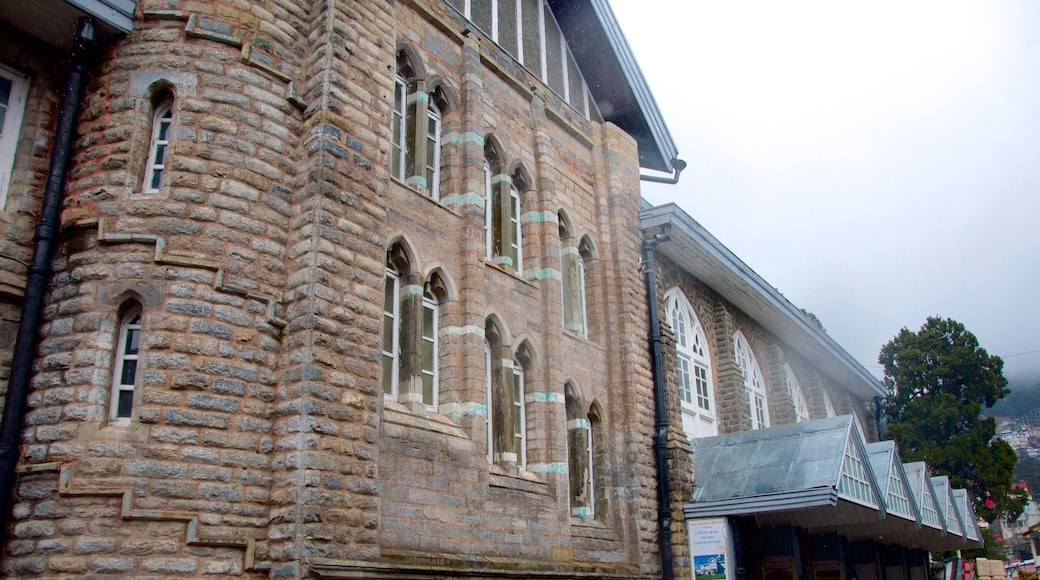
[
  {"x": 388, "y": 368},
  {"x": 507, "y": 25},
  {"x": 129, "y": 372},
  {"x": 553, "y": 53},
  {"x": 480, "y": 14},
  {"x": 427, "y": 355},
  {"x": 427, "y": 389},
  {"x": 5, "y": 91},
  {"x": 427, "y": 321},
  {"x": 532, "y": 36},
  {"x": 388, "y": 295},
  {"x": 160, "y": 154},
  {"x": 388, "y": 333},
  {"x": 164, "y": 126},
  {"x": 133, "y": 340},
  {"x": 125, "y": 403},
  {"x": 156, "y": 178}
]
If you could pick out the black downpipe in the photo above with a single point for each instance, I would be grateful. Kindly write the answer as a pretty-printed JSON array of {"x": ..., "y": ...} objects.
[
  {"x": 44, "y": 241},
  {"x": 664, "y": 508}
]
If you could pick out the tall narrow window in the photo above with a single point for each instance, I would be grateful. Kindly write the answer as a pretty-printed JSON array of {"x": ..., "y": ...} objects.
[
  {"x": 519, "y": 415},
  {"x": 753, "y": 382},
  {"x": 490, "y": 211},
  {"x": 801, "y": 408},
  {"x": 398, "y": 127},
  {"x": 124, "y": 371},
  {"x": 579, "y": 455},
  {"x": 433, "y": 150},
  {"x": 14, "y": 89},
  {"x": 430, "y": 309},
  {"x": 391, "y": 330},
  {"x": 490, "y": 406},
  {"x": 693, "y": 368},
  {"x": 516, "y": 237},
  {"x": 162, "y": 120}
]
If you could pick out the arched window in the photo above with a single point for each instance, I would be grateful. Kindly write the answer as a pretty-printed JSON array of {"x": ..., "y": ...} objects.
[
  {"x": 489, "y": 382},
  {"x": 162, "y": 120},
  {"x": 828, "y": 406},
  {"x": 753, "y": 382},
  {"x": 492, "y": 201},
  {"x": 14, "y": 92},
  {"x": 519, "y": 415},
  {"x": 391, "y": 329},
  {"x": 429, "y": 350},
  {"x": 415, "y": 143},
  {"x": 579, "y": 456},
  {"x": 124, "y": 369},
  {"x": 693, "y": 367},
  {"x": 572, "y": 272},
  {"x": 801, "y": 408}
]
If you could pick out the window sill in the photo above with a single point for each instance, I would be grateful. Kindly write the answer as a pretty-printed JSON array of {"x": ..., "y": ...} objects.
[
  {"x": 134, "y": 432},
  {"x": 507, "y": 271},
  {"x": 399, "y": 415},
  {"x": 516, "y": 479}
]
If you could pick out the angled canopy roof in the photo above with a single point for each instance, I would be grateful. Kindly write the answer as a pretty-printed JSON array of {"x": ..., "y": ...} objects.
[
  {"x": 614, "y": 77},
  {"x": 698, "y": 252},
  {"x": 812, "y": 475},
  {"x": 971, "y": 522},
  {"x": 820, "y": 476}
]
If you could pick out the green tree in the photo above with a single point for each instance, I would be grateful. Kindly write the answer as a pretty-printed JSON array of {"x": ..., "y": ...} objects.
[{"x": 938, "y": 380}]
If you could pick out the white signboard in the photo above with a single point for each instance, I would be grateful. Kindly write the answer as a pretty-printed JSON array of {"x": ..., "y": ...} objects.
[{"x": 709, "y": 548}]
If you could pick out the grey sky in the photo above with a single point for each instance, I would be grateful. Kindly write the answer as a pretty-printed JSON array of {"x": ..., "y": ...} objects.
[{"x": 877, "y": 161}]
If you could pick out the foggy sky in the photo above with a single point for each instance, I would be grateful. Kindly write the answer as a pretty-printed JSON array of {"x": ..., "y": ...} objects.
[{"x": 876, "y": 162}]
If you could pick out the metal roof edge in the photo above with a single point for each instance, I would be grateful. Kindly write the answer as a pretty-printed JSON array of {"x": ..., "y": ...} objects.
[
  {"x": 761, "y": 503},
  {"x": 118, "y": 14},
  {"x": 683, "y": 224},
  {"x": 634, "y": 76}
]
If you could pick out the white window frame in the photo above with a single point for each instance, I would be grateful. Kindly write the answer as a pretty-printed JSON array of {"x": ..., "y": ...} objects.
[
  {"x": 590, "y": 479},
  {"x": 490, "y": 404},
  {"x": 582, "y": 302},
  {"x": 518, "y": 394},
  {"x": 754, "y": 384},
  {"x": 429, "y": 335},
  {"x": 693, "y": 363},
  {"x": 517, "y": 239},
  {"x": 394, "y": 314},
  {"x": 828, "y": 406},
  {"x": 162, "y": 125},
  {"x": 13, "y": 119},
  {"x": 129, "y": 322},
  {"x": 433, "y": 143},
  {"x": 801, "y": 406},
  {"x": 488, "y": 209},
  {"x": 398, "y": 139}
]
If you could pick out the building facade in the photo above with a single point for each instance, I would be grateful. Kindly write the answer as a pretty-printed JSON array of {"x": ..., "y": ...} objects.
[{"x": 341, "y": 288}]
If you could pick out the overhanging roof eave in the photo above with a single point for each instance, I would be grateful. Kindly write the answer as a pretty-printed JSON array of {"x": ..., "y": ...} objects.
[{"x": 728, "y": 275}]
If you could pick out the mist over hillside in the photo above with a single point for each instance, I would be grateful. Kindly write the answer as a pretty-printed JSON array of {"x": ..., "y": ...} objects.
[{"x": 1023, "y": 398}]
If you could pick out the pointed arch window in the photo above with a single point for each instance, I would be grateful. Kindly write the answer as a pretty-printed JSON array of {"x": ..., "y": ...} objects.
[
  {"x": 801, "y": 407},
  {"x": 693, "y": 367},
  {"x": 124, "y": 371},
  {"x": 415, "y": 151},
  {"x": 502, "y": 224},
  {"x": 158, "y": 148},
  {"x": 391, "y": 329},
  {"x": 429, "y": 348},
  {"x": 754, "y": 385},
  {"x": 519, "y": 415}
]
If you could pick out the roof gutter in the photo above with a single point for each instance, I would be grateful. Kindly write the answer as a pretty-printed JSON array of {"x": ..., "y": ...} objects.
[
  {"x": 44, "y": 241},
  {"x": 677, "y": 164}
]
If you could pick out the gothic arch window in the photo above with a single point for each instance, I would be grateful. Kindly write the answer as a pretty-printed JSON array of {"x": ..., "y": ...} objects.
[
  {"x": 572, "y": 272},
  {"x": 518, "y": 408},
  {"x": 828, "y": 406},
  {"x": 434, "y": 293},
  {"x": 693, "y": 367},
  {"x": 801, "y": 407},
  {"x": 124, "y": 368},
  {"x": 753, "y": 382},
  {"x": 579, "y": 456},
  {"x": 159, "y": 143},
  {"x": 415, "y": 152},
  {"x": 392, "y": 323}
]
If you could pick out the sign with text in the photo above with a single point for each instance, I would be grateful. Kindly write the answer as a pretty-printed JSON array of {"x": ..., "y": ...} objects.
[{"x": 709, "y": 548}]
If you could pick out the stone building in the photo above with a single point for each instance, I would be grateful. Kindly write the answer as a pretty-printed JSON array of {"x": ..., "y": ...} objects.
[
  {"x": 783, "y": 464},
  {"x": 337, "y": 288}
]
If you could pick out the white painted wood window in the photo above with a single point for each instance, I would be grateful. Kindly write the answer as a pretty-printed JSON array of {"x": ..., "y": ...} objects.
[
  {"x": 429, "y": 352},
  {"x": 693, "y": 367},
  {"x": 391, "y": 332},
  {"x": 519, "y": 416},
  {"x": 14, "y": 90},
  {"x": 399, "y": 129},
  {"x": 158, "y": 148},
  {"x": 433, "y": 150},
  {"x": 124, "y": 370},
  {"x": 753, "y": 382},
  {"x": 801, "y": 407},
  {"x": 489, "y": 407},
  {"x": 516, "y": 241},
  {"x": 490, "y": 211}
]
